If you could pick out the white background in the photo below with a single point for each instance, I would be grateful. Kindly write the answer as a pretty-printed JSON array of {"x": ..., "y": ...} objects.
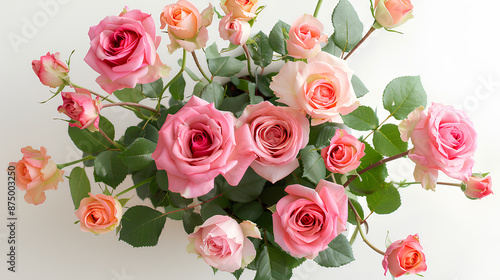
[{"x": 453, "y": 45}]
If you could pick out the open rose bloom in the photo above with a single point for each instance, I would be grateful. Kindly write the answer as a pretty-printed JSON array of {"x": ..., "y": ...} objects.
[
  {"x": 80, "y": 107},
  {"x": 99, "y": 213},
  {"x": 36, "y": 173},
  {"x": 322, "y": 88},
  {"x": 307, "y": 220},
  {"x": 223, "y": 243},
  {"x": 51, "y": 70},
  {"x": 404, "y": 256},
  {"x": 305, "y": 37},
  {"x": 344, "y": 152},
  {"x": 123, "y": 51}
]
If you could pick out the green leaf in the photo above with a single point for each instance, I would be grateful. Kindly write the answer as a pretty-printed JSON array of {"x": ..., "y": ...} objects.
[
  {"x": 198, "y": 88},
  {"x": 332, "y": 49},
  {"x": 179, "y": 201},
  {"x": 154, "y": 89},
  {"x": 385, "y": 200},
  {"x": 151, "y": 133},
  {"x": 176, "y": 215},
  {"x": 263, "y": 82},
  {"x": 131, "y": 134},
  {"x": 190, "y": 73},
  {"x": 362, "y": 119},
  {"x": 249, "y": 188},
  {"x": 260, "y": 50},
  {"x": 351, "y": 217},
  {"x": 338, "y": 253},
  {"x": 162, "y": 180},
  {"x": 348, "y": 28},
  {"x": 176, "y": 89},
  {"x": 248, "y": 211},
  {"x": 130, "y": 94},
  {"x": 313, "y": 164},
  {"x": 213, "y": 93},
  {"x": 223, "y": 66},
  {"x": 237, "y": 273},
  {"x": 358, "y": 86},
  {"x": 402, "y": 95},
  {"x": 387, "y": 140},
  {"x": 110, "y": 169},
  {"x": 92, "y": 142},
  {"x": 277, "y": 39},
  {"x": 190, "y": 220},
  {"x": 236, "y": 104},
  {"x": 138, "y": 155},
  {"x": 325, "y": 135},
  {"x": 141, "y": 175},
  {"x": 210, "y": 209},
  {"x": 79, "y": 185},
  {"x": 372, "y": 180},
  {"x": 142, "y": 226},
  {"x": 274, "y": 264},
  {"x": 212, "y": 51},
  {"x": 272, "y": 194}
]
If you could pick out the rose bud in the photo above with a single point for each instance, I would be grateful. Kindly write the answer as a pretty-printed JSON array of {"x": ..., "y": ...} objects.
[
  {"x": 392, "y": 13},
  {"x": 305, "y": 37},
  {"x": 243, "y": 10},
  {"x": 478, "y": 187},
  {"x": 80, "y": 107},
  {"x": 236, "y": 31},
  {"x": 51, "y": 70},
  {"x": 344, "y": 153},
  {"x": 99, "y": 213},
  {"x": 36, "y": 173},
  {"x": 223, "y": 243},
  {"x": 404, "y": 256}
]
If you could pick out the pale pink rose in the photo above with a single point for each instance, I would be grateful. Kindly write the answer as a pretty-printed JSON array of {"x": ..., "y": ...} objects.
[
  {"x": 123, "y": 51},
  {"x": 99, "y": 213},
  {"x": 344, "y": 152},
  {"x": 278, "y": 134},
  {"x": 197, "y": 144},
  {"x": 478, "y": 187},
  {"x": 407, "y": 126},
  {"x": 236, "y": 31},
  {"x": 322, "y": 88},
  {"x": 223, "y": 243},
  {"x": 404, "y": 256},
  {"x": 36, "y": 173},
  {"x": 307, "y": 220},
  {"x": 444, "y": 140},
  {"x": 51, "y": 70},
  {"x": 80, "y": 106},
  {"x": 243, "y": 10},
  {"x": 187, "y": 28},
  {"x": 392, "y": 13},
  {"x": 305, "y": 36}
]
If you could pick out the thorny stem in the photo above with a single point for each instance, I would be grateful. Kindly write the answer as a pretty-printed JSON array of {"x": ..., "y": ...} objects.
[
  {"x": 360, "y": 42},
  {"x": 199, "y": 67},
  {"x": 358, "y": 226},
  {"x": 111, "y": 141}
]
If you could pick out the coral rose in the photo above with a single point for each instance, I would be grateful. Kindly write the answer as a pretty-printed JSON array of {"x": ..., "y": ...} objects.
[
  {"x": 305, "y": 36},
  {"x": 307, "y": 220},
  {"x": 344, "y": 152},
  {"x": 243, "y": 10},
  {"x": 99, "y": 213},
  {"x": 80, "y": 106},
  {"x": 404, "y": 256},
  {"x": 51, "y": 70},
  {"x": 392, "y": 13},
  {"x": 478, "y": 187}
]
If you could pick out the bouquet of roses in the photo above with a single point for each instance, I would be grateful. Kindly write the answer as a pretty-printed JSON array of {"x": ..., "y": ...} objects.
[{"x": 262, "y": 167}]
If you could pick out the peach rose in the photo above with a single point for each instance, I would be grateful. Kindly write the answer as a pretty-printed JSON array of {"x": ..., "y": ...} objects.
[
  {"x": 404, "y": 256},
  {"x": 322, "y": 88},
  {"x": 187, "y": 28},
  {"x": 478, "y": 187},
  {"x": 444, "y": 140},
  {"x": 307, "y": 220},
  {"x": 36, "y": 173},
  {"x": 223, "y": 243},
  {"x": 236, "y": 31},
  {"x": 278, "y": 134},
  {"x": 243, "y": 10},
  {"x": 392, "y": 13},
  {"x": 123, "y": 51},
  {"x": 344, "y": 152},
  {"x": 51, "y": 70},
  {"x": 80, "y": 106},
  {"x": 305, "y": 37},
  {"x": 99, "y": 213}
]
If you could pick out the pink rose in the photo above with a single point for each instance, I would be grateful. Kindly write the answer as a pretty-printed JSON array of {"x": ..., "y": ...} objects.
[
  {"x": 278, "y": 134},
  {"x": 99, "y": 213},
  {"x": 243, "y": 10},
  {"x": 236, "y": 31},
  {"x": 223, "y": 243},
  {"x": 80, "y": 106},
  {"x": 123, "y": 51},
  {"x": 187, "y": 28},
  {"x": 344, "y": 153},
  {"x": 392, "y": 13},
  {"x": 197, "y": 144},
  {"x": 322, "y": 88},
  {"x": 478, "y": 187},
  {"x": 305, "y": 37},
  {"x": 36, "y": 173},
  {"x": 404, "y": 256},
  {"x": 444, "y": 139},
  {"x": 51, "y": 70},
  {"x": 307, "y": 220}
]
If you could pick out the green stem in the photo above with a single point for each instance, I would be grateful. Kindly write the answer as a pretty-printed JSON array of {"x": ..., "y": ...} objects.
[
  {"x": 358, "y": 226},
  {"x": 377, "y": 128},
  {"x": 136, "y": 185},
  {"x": 130, "y": 104},
  {"x": 354, "y": 235},
  {"x": 199, "y": 67},
  {"x": 360, "y": 42},
  {"x": 318, "y": 6},
  {"x": 247, "y": 54},
  {"x": 183, "y": 66},
  {"x": 62, "y": 165},
  {"x": 122, "y": 148},
  {"x": 439, "y": 183}
]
